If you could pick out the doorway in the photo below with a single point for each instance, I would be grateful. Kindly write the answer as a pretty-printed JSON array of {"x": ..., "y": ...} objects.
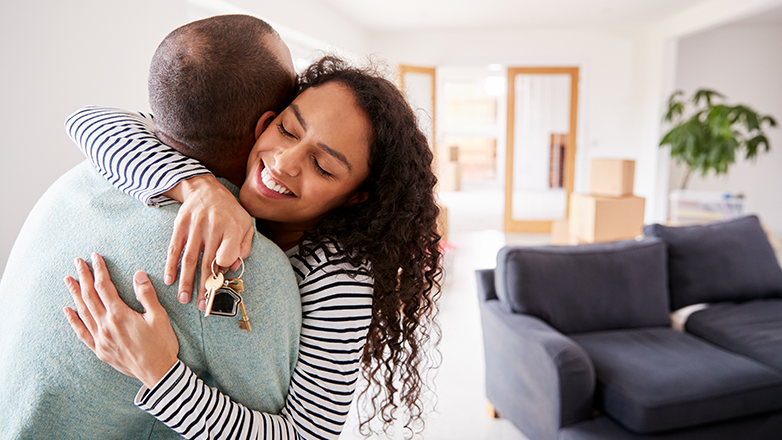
[{"x": 541, "y": 146}]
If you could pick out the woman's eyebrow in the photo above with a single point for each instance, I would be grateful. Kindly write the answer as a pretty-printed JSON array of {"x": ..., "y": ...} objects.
[
  {"x": 295, "y": 110},
  {"x": 335, "y": 154},
  {"x": 330, "y": 151}
]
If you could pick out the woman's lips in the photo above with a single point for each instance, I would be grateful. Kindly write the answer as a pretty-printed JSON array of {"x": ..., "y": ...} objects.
[{"x": 269, "y": 187}]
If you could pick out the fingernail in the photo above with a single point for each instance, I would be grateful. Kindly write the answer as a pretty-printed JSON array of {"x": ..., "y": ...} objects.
[
  {"x": 183, "y": 297},
  {"x": 76, "y": 262},
  {"x": 202, "y": 305},
  {"x": 67, "y": 282},
  {"x": 169, "y": 280},
  {"x": 140, "y": 278}
]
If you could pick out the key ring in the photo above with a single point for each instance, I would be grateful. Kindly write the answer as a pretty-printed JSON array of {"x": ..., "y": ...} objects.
[{"x": 212, "y": 266}]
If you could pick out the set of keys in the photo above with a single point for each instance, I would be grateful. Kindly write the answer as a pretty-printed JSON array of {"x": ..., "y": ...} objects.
[{"x": 224, "y": 296}]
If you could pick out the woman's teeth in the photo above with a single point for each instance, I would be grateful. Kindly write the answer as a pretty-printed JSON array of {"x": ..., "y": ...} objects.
[{"x": 272, "y": 185}]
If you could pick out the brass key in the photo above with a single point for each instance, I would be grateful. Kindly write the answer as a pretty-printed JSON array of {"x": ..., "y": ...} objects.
[
  {"x": 244, "y": 324},
  {"x": 237, "y": 284},
  {"x": 212, "y": 283}
]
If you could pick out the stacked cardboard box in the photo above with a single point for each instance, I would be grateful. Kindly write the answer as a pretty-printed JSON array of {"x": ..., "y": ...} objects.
[{"x": 610, "y": 211}]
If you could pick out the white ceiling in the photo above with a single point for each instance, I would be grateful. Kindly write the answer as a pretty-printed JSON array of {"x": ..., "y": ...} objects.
[
  {"x": 383, "y": 15},
  {"x": 396, "y": 15}
]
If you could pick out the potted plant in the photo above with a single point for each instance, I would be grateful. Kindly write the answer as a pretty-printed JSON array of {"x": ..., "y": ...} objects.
[{"x": 711, "y": 133}]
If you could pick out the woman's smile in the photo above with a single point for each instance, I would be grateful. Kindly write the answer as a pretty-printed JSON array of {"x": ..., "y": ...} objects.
[
  {"x": 272, "y": 184},
  {"x": 310, "y": 160}
]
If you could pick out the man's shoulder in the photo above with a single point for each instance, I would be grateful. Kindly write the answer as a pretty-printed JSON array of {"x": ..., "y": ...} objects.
[
  {"x": 82, "y": 191},
  {"x": 86, "y": 180}
]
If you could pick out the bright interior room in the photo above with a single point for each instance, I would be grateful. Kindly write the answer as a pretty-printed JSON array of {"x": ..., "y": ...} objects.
[{"x": 528, "y": 107}]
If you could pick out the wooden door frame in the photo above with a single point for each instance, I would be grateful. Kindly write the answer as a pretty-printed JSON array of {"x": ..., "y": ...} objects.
[
  {"x": 431, "y": 71},
  {"x": 543, "y": 226}
]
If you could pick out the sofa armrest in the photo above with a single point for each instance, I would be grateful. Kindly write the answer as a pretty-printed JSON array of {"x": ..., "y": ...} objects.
[
  {"x": 486, "y": 289},
  {"x": 536, "y": 377}
]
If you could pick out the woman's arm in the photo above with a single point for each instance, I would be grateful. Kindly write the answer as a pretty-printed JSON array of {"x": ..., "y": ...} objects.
[
  {"x": 336, "y": 312},
  {"x": 124, "y": 149}
]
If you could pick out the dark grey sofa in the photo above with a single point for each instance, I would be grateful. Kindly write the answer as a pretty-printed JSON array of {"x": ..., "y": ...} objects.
[{"x": 578, "y": 342}]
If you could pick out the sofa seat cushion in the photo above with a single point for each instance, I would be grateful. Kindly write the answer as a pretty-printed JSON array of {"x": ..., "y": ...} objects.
[
  {"x": 726, "y": 261},
  {"x": 658, "y": 379},
  {"x": 753, "y": 328}
]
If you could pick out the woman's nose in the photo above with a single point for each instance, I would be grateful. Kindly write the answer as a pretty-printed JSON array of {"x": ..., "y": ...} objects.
[{"x": 288, "y": 160}]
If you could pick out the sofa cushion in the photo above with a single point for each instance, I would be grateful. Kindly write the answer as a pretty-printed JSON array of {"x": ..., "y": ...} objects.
[
  {"x": 653, "y": 380},
  {"x": 726, "y": 261},
  {"x": 588, "y": 287},
  {"x": 753, "y": 328}
]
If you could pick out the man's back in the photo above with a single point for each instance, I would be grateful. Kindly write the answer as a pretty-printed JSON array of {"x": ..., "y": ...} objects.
[{"x": 55, "y": 387}]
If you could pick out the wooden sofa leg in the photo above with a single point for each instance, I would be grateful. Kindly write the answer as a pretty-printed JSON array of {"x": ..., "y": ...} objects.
[{"x": 490, "y": 411}]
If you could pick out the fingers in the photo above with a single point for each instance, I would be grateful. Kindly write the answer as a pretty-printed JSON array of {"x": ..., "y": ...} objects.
[
  {"x": 79, "y": 328},
  {"x": 247, "y": 242},
  {"x": 107, "y": 292},
  {"x": 146, "y": 295},
  {"x": 231, "y": 248},
  {"x": 89, "y": 296},
  {"x": 175, "y": 247},
  {"x": 212, "y": 220},
  {"x": 189, "y": 265},
  {"x": 87, "y": 322},
  {"x": 206, "y": 272}
]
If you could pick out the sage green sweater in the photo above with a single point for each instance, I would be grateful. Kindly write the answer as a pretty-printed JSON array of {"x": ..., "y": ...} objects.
[{"x": 53, "y": 386}]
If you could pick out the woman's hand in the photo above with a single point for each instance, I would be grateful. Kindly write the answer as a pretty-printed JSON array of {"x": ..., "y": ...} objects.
[
  {"x": 211, "y": 219},
  {"x": 143, "y": 346}
]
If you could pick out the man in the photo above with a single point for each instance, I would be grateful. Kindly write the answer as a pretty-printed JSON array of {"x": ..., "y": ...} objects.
[{"x": 212, "y": 83}]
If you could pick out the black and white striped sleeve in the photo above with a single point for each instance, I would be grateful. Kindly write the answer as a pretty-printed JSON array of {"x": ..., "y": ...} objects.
[
  {"x": 124, "y": 149},
  {"x": 336, "y": 313}
]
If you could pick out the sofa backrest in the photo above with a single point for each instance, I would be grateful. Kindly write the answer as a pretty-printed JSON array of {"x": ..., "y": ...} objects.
[
  {"x": 726, "y": 261},
  {"x": 589, "y": 287}
]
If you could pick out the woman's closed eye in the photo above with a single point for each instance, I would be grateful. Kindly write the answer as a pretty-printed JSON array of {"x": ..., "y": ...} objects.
[
  {"x": 285, "y": 132},
  {"x": 319, "y": 169}
]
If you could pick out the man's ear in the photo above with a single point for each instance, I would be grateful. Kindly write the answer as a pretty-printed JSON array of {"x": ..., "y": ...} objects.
[
  {"x": 355, "y": 199},
  {"x": 263, "y": 123}
]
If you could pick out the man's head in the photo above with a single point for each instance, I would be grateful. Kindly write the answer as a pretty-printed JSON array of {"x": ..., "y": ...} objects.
[{"x": 209, "y": 83}]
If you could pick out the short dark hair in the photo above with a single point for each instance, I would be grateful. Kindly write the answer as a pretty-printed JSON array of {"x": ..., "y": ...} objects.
[{"x": 211, "y": 80}]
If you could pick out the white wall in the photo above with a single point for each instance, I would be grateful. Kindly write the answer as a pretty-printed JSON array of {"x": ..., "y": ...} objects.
[
  {"x": 310, "y": 19},
  {"x": 745, "y": 64},
  {"x": 56, "y": 57}
]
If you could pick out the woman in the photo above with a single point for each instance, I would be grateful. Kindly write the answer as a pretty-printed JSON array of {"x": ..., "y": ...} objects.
[{"x": 363, "y": 208}]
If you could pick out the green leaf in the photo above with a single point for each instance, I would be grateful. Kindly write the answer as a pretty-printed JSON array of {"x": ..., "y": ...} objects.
[
  {"x": 771, "y": 121},
  {"x": 751, "y": 119},
  {"x": 675, "y": 111},
  {"x": 754, "y": 143},
  {"x": 707, "y": 95}
]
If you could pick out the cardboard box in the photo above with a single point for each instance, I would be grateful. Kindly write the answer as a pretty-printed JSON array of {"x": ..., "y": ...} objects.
[
  {"x": 595, "y": 219},
  {"x": 560, "y": 232},
  {"x": 611, "y": 177}
]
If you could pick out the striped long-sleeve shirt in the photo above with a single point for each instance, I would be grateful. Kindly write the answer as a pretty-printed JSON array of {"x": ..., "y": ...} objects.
[
  {"x": 123, "y": 148},
  {"x": 336, "y": 305}
]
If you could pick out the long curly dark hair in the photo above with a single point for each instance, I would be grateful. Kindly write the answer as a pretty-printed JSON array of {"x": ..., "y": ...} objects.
[{"x": 395, "y": 229}]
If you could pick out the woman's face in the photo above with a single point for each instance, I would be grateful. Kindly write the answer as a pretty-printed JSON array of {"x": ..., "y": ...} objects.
[{"x": 310, "y": 160}]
